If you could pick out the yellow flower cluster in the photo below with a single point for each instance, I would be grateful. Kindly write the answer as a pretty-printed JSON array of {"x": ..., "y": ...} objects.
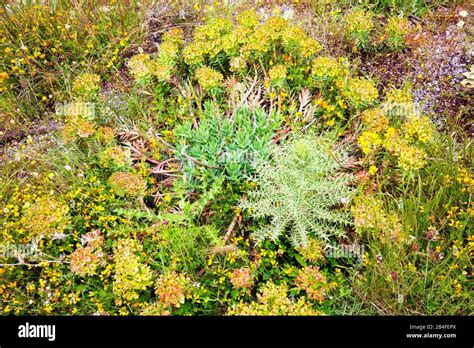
[
  {"x": 86, "y": 86},
  {"x": 399, "y": 96},
  {"x": 248, "y": 40},
  {"x": 210, "y": 39},
  {"x": 3, "y": 81},
  {"x": 375, "y": 120},
  {"x": 369, "y": 142},
  {"x": 403, "y": 142},
  {"x": 261, "y": 39},
  {"x": 368, "y": 212},
  {"x": 466, "y": 178},
  {"x": 396, "y": 29},
  {"x": 170, "y": 288},
  {"x": 77, "y": 127},
  {"x": 138, "y": 66},
  {"x": 273, "y": 300},
  {"x": 78, "y": 121},
  {"x": 329, "y": 68},
  {"x": 248, "y": 19},
  {"x": 131, "y": 276},
  {"x": 411, "y": 158},
  {"x": 45, "y": 217},
  {"x": 238, "y": 64},
  {"x": 311, "y": 280},
  {"x": 125, "y": 183},
  {"x": 391, "y": 140},
  {"x": 174, "y": 36},
  {"x": 209, "y": 78},
  {"x": 418, "y": 128},
  {"x": 160, "y": 70},
  {"x": 105, "y": 135},
  {"x": 296, "y": 42},
  {"x": 277, "y": 74},
  {"x": 358, "y": 21},
  {"x": 194, "y": 52},
  {"x": 359, "y": 92},
  {"x": 86, "y": 259},
  {"x": 358, "y": 25},
  {"x": 168, "y": 52},
  {"x": 313, "y": 252},
  {"x": 11, "y": 214},
  {"x": 115, "y": 156},
  {"x": 370, "y": 215},
  {"x": 142, "y": 66}
]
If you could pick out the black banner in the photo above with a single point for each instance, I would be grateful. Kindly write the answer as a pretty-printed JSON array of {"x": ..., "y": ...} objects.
[{"x": 290, "y": 331}]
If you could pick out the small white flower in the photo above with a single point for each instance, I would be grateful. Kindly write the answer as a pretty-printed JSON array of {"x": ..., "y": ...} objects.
[
  {"x": 67, "y": 167},
  {"x": 460, "y": 24},
  {"x": 68, "y": 26},
  {"x": 463, "y": 14},
  {"x": 344, "y": 200}
]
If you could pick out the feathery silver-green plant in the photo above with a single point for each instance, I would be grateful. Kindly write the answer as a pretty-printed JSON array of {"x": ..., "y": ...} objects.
[{"x": 303, "y": 191}]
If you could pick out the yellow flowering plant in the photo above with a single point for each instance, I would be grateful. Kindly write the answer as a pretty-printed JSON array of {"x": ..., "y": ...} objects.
[
  {"x": 86, "y": 86},
  {"x": 358, "y": 25},
  {"x": 131, "y": 275},
  {"x": 396, "y": 29},
  {"x": 399, "y": 129}
]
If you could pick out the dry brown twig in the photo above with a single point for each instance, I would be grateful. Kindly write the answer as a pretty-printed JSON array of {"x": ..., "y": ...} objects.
[{"x": 231, "y": 227}]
